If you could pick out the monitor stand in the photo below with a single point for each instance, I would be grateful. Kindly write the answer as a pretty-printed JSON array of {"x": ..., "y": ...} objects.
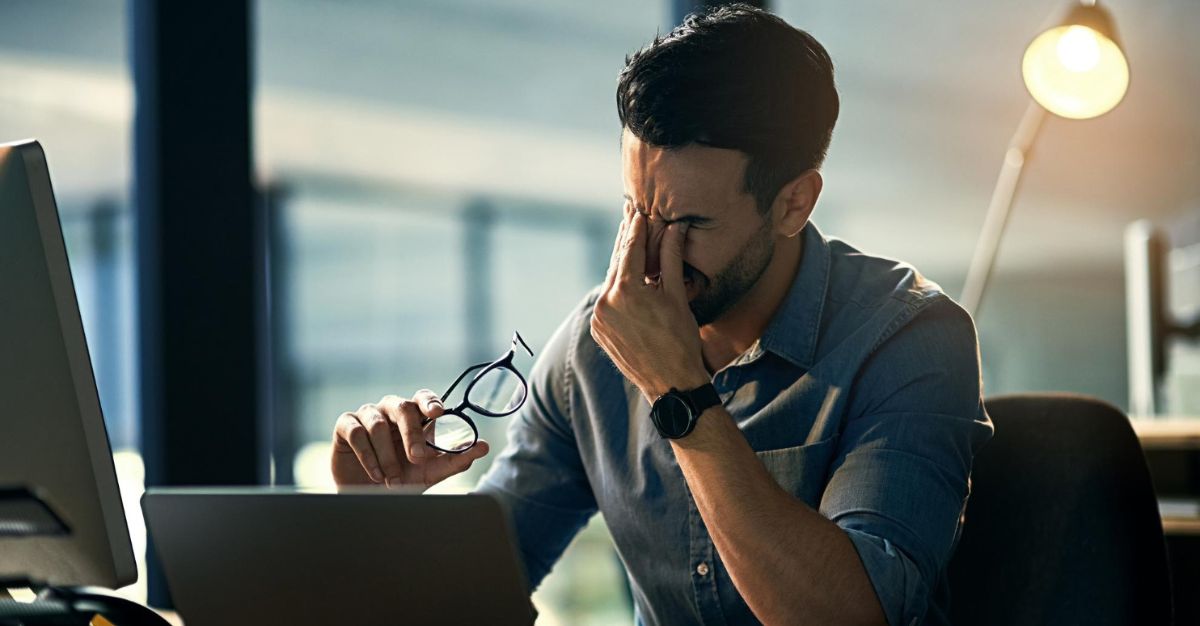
[{"x": 59, "y": 606}]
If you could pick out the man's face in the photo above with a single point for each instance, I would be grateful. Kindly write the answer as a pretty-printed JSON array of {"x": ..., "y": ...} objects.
[{"x": 729, "y": 243}]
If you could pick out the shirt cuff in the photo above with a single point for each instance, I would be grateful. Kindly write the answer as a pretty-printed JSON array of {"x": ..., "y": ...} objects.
[{"x": 898, "y": 584}]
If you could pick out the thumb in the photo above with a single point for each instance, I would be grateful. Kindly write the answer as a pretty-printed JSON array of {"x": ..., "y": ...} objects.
[
  {"x": 450, "y": 464},
  {"x": 671, "y": 259}
]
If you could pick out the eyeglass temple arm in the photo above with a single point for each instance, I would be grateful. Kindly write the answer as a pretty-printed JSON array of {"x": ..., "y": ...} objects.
[
  {"x": 518, "y": 339},
  {"x": 464, "y": 375}
]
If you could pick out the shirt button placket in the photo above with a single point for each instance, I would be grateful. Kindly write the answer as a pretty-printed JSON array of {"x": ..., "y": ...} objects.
[{"x": 702, "y": 569}]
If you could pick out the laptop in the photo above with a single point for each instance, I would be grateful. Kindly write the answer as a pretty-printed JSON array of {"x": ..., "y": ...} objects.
[{"x": 367, "y": 557}]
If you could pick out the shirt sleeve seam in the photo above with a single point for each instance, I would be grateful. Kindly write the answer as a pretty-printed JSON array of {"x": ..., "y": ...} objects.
[
  {"x": 948, "y": 472},
  {"x": 569, "y": 368}
]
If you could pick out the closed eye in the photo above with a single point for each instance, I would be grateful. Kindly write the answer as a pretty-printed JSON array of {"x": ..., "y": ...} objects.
[{"x": 693, "y": 221}]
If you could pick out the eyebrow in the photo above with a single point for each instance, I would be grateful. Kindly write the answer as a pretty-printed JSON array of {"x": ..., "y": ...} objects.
[{"x": 687, "y": 218}]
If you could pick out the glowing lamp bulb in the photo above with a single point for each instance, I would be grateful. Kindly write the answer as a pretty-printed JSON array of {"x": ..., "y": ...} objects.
[
  {"x": 1078, "y": 49},
  {"x": 1075, "y": 71}
]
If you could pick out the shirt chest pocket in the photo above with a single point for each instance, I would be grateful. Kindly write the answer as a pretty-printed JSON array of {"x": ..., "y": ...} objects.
[{"x": 801, "y": 470}]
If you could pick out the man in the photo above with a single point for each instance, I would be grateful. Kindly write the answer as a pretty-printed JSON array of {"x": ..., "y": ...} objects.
[{"x": 775, "y": 426}]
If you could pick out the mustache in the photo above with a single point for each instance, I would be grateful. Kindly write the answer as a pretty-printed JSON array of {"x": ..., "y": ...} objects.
[{"x": 694, "y": 275}]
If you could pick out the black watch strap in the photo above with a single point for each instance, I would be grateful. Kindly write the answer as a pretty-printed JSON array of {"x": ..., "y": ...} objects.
[{"x": 703, "y": 398}]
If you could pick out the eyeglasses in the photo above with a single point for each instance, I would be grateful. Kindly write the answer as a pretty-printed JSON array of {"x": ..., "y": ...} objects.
[{"x": 497, "y": 389}]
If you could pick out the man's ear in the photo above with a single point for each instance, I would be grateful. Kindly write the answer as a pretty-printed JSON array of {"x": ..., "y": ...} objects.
[{"x": 795, "y": 202}]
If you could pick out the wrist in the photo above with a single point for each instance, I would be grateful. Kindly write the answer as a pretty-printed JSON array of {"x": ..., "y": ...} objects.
[
  {"x": 685, "y": 382},
  {"x": 676, "y": 412}
]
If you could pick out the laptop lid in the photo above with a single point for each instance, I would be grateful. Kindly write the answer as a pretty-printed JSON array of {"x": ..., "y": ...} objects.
[{"x": 280, "y": 556}]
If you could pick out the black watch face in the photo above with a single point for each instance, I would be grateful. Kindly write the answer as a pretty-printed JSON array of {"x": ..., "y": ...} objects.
[{"x": 672, "y": 416}]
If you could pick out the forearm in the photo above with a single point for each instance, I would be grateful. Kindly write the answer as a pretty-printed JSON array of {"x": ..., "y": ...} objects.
[{"x": 790, "y": 563}]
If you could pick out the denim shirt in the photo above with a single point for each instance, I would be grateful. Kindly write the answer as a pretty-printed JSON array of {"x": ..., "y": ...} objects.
[{"x": 888, "y": 460}]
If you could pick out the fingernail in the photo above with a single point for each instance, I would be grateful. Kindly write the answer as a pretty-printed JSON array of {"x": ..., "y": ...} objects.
[
  {"x": 418, "y": 452},
  {"x": 376, "y": 475}
]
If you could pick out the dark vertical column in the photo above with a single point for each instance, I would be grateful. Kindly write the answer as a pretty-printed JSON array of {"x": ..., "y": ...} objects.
[
  {"x": 196, "y": 246},
  {"x": 282, "y": 387},
  {"x": 681, "y": 8}
]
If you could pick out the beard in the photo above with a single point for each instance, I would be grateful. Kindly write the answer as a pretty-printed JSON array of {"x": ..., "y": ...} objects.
[{"x": 719, "y": 294}]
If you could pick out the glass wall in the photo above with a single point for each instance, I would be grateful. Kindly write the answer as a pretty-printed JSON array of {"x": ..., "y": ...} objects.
[{"x": 442, "y": 173}]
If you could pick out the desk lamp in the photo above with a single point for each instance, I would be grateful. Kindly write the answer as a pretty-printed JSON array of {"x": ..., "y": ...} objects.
[{"x": 1076, "y": 69}]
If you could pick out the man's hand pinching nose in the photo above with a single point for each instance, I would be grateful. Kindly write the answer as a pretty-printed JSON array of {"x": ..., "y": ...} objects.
[
  {"x": 645, "y": 327},
  {"x": 653, "y": 251}
]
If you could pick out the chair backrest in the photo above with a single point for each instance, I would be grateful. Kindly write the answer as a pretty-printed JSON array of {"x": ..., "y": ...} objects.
[{"x": 1062, "y": 525}]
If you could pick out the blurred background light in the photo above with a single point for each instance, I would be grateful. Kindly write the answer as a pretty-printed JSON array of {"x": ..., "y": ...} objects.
[{"x": 1077, "y": 70}]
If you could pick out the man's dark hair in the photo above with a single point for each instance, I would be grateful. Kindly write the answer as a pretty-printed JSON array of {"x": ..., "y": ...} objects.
[{"x": 735, "y": 77}]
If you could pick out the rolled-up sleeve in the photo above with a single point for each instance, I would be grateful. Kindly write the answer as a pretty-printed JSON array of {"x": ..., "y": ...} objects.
[
  {"x": 899, "y": 482},
  {"x": 539, "y": 476}
]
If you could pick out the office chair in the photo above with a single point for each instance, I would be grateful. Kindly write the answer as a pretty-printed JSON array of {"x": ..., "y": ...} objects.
[{"x": 1062, "y": 525}]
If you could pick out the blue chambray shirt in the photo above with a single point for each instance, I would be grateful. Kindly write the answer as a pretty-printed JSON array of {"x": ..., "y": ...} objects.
[{"x": 889, "y": 463}]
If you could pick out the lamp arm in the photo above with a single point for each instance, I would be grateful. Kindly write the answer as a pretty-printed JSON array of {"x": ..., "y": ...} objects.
[
  {"x": 1188, "y": 330},
  {"x": 1019, "y": 150}
]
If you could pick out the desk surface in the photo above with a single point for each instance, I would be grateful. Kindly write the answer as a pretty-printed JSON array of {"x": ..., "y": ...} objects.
[
  {"x": 1168, "y": 432},
  {"x": 1171, "y": 433},
  {"x": 1180, "y": 526}
]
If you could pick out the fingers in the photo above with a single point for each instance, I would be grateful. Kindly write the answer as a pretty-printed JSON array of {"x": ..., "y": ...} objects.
[
  {"x": 632, "y": 264},
  {"x": 350, "y": 433},
  {"x": 408, "y": 416},
  {"x": 380, "y": 431},
  {"x": 429, "y": 403},
  {"x": 654, "y": 237},
  {"x": 447, "y": 465},
  {"x": 671, "y": 259},
  {"x": 615, "y": 260},
  {"x": 387, "y": 439}
]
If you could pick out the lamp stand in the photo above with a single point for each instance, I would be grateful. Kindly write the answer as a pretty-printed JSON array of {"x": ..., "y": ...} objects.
[{"x": 1019, "y": 150}]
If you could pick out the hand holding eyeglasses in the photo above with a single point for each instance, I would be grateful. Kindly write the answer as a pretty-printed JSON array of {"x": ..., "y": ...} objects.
[{"x": 418, "y": 440}]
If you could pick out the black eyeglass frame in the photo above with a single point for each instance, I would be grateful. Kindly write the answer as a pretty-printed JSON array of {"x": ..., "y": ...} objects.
[{"x": 504, "y": 362}]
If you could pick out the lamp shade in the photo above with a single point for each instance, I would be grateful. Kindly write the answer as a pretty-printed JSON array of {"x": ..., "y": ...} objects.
[{"x": 1077, "y": 69}]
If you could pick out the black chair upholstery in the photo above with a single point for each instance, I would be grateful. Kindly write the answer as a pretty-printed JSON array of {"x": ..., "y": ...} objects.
[{"x": 1062, "y": 525}]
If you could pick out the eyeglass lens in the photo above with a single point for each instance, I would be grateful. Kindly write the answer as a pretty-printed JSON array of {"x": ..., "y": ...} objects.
[
  {"x": 450, "y": 433},
  {"x": 498, "y": 391}
]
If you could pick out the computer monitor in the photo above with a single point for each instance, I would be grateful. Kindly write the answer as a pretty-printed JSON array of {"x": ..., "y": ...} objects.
[{"x": 52, "y": 435}]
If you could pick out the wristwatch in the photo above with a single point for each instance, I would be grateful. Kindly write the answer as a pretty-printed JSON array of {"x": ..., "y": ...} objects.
[{"x": 675, "y": 413}]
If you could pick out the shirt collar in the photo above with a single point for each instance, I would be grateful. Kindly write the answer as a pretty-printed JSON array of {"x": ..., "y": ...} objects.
[{"x": 792, "y": 332}]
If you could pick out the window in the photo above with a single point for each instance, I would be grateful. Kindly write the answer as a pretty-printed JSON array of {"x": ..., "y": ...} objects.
[{"x": 441, "y": 173}]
